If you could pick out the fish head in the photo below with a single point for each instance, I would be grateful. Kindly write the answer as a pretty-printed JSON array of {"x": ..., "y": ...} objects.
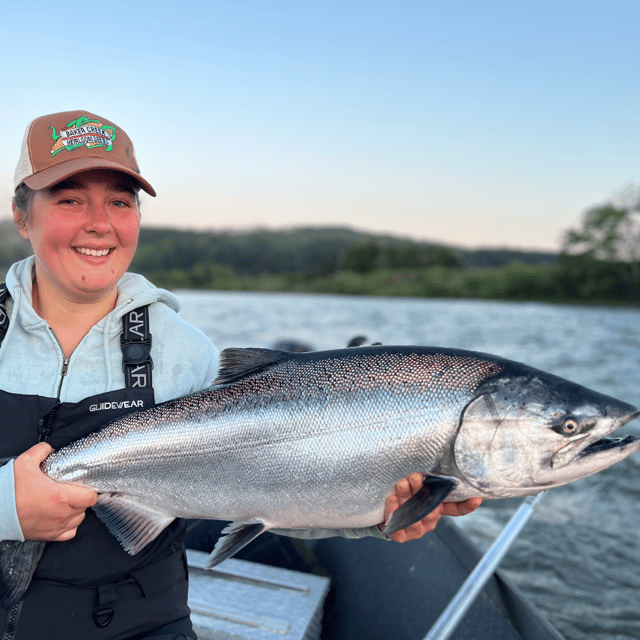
[{"x": 522, "y": 434}]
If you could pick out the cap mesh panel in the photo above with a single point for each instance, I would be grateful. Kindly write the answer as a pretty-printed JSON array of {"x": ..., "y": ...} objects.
[{"x": 24, "y": 168}]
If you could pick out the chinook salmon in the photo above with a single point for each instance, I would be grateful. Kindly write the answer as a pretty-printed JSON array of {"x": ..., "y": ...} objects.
[{"x": 319, "y": 440}]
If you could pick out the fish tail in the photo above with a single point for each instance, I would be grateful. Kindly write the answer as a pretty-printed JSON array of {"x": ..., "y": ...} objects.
[{"x": 18, "y": 561}]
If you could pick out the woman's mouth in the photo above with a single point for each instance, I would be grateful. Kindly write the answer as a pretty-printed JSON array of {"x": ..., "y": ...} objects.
[{"x": 94, "y": 253}]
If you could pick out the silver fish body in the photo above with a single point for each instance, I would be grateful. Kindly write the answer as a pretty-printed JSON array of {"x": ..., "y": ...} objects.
[
  {"x": 310, "y": 441},
  {"x": 319, "y": 439}
]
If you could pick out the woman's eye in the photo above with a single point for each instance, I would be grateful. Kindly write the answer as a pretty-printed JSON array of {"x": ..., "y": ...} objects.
[{"x": 121, "y": 203}]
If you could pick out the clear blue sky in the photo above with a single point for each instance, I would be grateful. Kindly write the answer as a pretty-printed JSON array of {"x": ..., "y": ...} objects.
[{"x": 476, "y": 123}]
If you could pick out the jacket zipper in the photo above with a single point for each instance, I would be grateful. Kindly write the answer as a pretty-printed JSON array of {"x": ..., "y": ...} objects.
[
  {"x": 45, "y": 425},
  {"x": 12, "y": 622}
]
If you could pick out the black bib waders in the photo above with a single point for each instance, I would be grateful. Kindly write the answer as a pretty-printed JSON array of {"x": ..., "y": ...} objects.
[{"x": 89, "y": 587}]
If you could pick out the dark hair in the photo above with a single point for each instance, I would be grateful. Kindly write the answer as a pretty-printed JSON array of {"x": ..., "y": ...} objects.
[{"x": 23, "y": 199}]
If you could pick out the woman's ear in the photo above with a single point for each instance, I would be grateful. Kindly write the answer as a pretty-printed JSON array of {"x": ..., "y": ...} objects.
[{"x": 20, "y": 221}]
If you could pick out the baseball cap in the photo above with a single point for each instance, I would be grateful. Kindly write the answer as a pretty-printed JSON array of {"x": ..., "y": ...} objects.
[{"x": 62, "y": 144}]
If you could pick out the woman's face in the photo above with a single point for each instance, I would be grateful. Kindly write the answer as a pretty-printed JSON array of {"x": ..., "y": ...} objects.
[{"x": 84, "y": 233}]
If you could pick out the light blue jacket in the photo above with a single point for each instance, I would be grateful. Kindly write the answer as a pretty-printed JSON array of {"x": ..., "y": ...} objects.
[{"x": 184, "y": 361}]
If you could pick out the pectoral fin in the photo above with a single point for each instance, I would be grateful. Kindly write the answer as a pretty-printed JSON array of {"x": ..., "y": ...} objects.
[
  {"x": 434, "y": 490},
  {"x": 133, "y": 524},
  {"x": 234, "y": 537}
]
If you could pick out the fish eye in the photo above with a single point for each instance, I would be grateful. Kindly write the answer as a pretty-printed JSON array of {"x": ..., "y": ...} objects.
[{"x": 570, "y": 426}]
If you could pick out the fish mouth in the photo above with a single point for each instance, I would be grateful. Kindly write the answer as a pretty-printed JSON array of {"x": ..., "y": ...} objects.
[
  {"x": 605, "y": 444},
  {"x": 608, "y": 444}
]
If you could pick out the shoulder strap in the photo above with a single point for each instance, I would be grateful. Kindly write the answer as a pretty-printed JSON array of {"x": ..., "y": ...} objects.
[
  {"x": 4, "y": 317},
  {"x": 135, "y": 342}
]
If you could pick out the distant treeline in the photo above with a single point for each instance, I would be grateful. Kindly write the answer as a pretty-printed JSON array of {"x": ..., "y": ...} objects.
[
  {"x": 313, "y": 251},
  {"x": 570, "y": 280},
  {"x": 341, "y": 260}
]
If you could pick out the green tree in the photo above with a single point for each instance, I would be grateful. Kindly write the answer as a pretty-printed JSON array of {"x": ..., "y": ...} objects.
[
  {"x": 362, "y": 257},
  {"x": 602, "y": 254},
  {"x": 610, "y": 233},
  {"x": 444, "y": 257}
]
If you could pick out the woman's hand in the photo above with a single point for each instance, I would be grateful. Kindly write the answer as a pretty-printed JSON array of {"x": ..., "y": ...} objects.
[
  {"x": 404, "y": 490},
  {"x": 47, "y": 510}
]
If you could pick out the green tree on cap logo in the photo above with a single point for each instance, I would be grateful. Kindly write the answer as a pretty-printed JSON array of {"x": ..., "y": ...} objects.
[{"x": 83, "y": 132}]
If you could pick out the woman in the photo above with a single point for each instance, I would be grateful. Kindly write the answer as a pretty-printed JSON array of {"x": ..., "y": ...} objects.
[{"x": 86, "y": 343}]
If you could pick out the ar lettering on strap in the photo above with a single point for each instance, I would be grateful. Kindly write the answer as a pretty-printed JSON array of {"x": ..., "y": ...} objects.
[
  {"x": 137, "y": 376},
  {"x": 135, "y": 342}
]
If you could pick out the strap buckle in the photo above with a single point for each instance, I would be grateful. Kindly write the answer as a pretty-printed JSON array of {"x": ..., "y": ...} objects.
[{"x": 135, "y": 352}]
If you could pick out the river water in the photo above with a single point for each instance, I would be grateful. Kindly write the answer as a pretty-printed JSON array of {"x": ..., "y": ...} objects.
[{"x": 578, "y": 559}]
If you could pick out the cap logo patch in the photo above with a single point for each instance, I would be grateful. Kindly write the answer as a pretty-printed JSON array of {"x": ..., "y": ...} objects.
[{"x": 81, "y": 132}]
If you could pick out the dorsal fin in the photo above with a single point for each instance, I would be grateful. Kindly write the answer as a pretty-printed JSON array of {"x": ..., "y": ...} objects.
[{"x": 237, "y": 363}]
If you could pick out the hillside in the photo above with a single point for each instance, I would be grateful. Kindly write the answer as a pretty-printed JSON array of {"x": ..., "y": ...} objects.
[{"x": 313, "y": 250}]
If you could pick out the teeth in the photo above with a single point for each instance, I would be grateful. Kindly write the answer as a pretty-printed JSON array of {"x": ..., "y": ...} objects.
[{"x": 96, "y": 253}]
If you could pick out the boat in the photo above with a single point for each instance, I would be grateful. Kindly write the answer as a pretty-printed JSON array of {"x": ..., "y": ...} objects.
[{"x": 339, "y": 589}]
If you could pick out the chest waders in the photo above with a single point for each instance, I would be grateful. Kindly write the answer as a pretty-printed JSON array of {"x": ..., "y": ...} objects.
[{"x": 89, "y": 587}]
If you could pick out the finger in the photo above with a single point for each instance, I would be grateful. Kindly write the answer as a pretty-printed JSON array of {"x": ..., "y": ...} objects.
[
  {"x": 462, "y": 508},
  {"x": 67, "y": 535},
  {"x": 470, "y": 505},
  {"x": 403, "y": 490},
  {"x": 80, "y": 497},
  {"x": 37, "y": 453},
  {"x": 467, "y": 506},
  {"x": 428, "y": 523},
  {"x": 416, "y": 481},
  {"x": 391, "y": 505},
  {"x": 398, "y": 536},
  {"x": 418, "y": 529},
  {"x": 415, "y": 531},
  {"x": 71, "y": 527},
  {"x": 74, "y": 523}
]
